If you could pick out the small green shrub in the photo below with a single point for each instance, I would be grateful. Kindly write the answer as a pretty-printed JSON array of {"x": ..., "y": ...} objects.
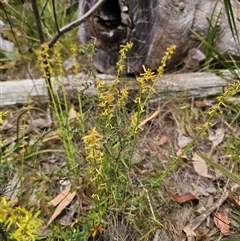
[{"x": 19, "y": 224}]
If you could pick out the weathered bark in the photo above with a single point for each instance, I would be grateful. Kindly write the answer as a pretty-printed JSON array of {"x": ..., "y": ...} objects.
[
  {"x": 192, "y": 85},
  {"x": 153, "y": 25}
]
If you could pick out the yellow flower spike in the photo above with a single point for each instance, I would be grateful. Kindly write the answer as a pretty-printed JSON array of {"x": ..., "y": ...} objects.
[
  {"x": 99, "y": 171},
  {"x": 93, "y": 145},
  {"x": 74, "y": 52},
  {"x": 74, "y": 49},
  {"x": 134, "y": 122},
  {"x": 123, "y": 56},
  {"x": 93, "y": 179},
  {"x": 166, "y": 57},
  {"x": 148, "y": 74},
  {"x": 59, "y": 60},
  {"x": 93, "y": 136},
  {"x": 43, "y": 59},
  {"x": 123, "y": 96}
]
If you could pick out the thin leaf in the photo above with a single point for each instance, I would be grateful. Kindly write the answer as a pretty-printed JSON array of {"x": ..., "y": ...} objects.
[
  {"x": 231, "y": 20},
  {"x": 223, "y": 170},
  {"x": 212, "y": 34},
  {"x": 219, "y": 57}
]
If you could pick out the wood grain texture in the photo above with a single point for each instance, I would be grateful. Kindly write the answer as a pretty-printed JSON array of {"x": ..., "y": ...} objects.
[{"x": 170, "y": 85}]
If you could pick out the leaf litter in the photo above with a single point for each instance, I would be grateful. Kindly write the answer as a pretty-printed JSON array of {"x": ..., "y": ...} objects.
[
  {"x": 200, "y": 166},
  {"x": 192, "y": 181}
]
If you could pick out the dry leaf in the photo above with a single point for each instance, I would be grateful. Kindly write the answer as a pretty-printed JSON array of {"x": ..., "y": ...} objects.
[
  {"x": 190, "y": 232},
  {"x": 222, "y": 222},
  {"x": 217, "y": 137},
  {"x": 234, "y": 187},
  {"x": 40, "y": 123},
  {"x": 13, "y": 187},
  {"x": 200, "y": 166},
  {"x": 201, "y": 235},
  {"x": 72, "y": 114},
  {"x": 233, "y": 199},
  {"x": 157, "y": 235},
  {"x": 52, "y": 137},
  {"x": 203, "y": 190},
  {"x": 183, "y": 141},
  {"x": 6, "y": 125},
  {"x": 63, "y": 203},
  {"x": 190, "y": 228},
  {"x": 68, "y": 218},
  {"x": 185, "y": 197},
  {"x": 179, "y": 153},
  {"x": 200, "y": 104},
  {"x": 162, "y": 140},
  {"x": 55, "y": 201},
  {"x": 152, "y": 116}
]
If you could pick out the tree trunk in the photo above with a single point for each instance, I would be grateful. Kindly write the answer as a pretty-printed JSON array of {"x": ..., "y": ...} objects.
[{"x": 152, "y": 26}]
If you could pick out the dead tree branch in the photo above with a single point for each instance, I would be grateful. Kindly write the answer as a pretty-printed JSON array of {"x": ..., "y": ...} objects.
[{"x": 75, "y": 23}]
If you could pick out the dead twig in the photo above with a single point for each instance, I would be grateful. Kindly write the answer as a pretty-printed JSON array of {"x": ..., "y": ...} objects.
[
  {"x": 75, "y": 23},
  {"x": 190, "y": 228}
]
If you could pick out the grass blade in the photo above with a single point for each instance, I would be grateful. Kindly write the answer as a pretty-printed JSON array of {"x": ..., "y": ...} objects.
[
  {"x": 220, "y": 168},
  {"x": 231, "y": 20}
]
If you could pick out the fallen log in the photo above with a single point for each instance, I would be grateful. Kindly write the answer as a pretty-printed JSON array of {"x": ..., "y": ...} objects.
[{"x": 200, "y": 84}]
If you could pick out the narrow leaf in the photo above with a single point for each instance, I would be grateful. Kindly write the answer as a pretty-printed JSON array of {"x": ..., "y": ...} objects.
[
  {"x": 231, "y": 19},
  {"x": 223, "y": 170}
]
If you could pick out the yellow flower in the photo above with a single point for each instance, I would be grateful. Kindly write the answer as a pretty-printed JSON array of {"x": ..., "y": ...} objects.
[
  {"x": 58, "y": 58},
  {"x": 123, "y": 51},
  {"x": 95, "y": 196},
  {"x": 94, "y": 155},
  {"x": 94, "y": 230},
  {"x": 21, "y": 223},
  {"x": 92, "y": 139},
  {"x": 6, "y": 207},
  {"x": 165, "y": 58},
  {"x": 43, "y": 59},
  {"x": 123, "y": 96},
  {"x": 93, "y": 147},
  {"x": 74, "y": 49}
]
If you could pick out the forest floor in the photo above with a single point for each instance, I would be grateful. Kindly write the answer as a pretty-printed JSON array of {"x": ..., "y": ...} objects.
[{"x": 190, "y": 201}]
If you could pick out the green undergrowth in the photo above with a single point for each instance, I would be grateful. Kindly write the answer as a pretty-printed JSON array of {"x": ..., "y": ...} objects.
[
  {"x": 99, "y": 147},
  {"x": 92, "y": 147},
  {"x": 97, "y": 141}
]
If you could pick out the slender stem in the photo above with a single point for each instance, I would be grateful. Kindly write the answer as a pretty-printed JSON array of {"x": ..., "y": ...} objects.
[
  {"x": 55, "y": 16},
  {"x": 41, "y": 38},
  {"x": 37, "y": 21}
]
